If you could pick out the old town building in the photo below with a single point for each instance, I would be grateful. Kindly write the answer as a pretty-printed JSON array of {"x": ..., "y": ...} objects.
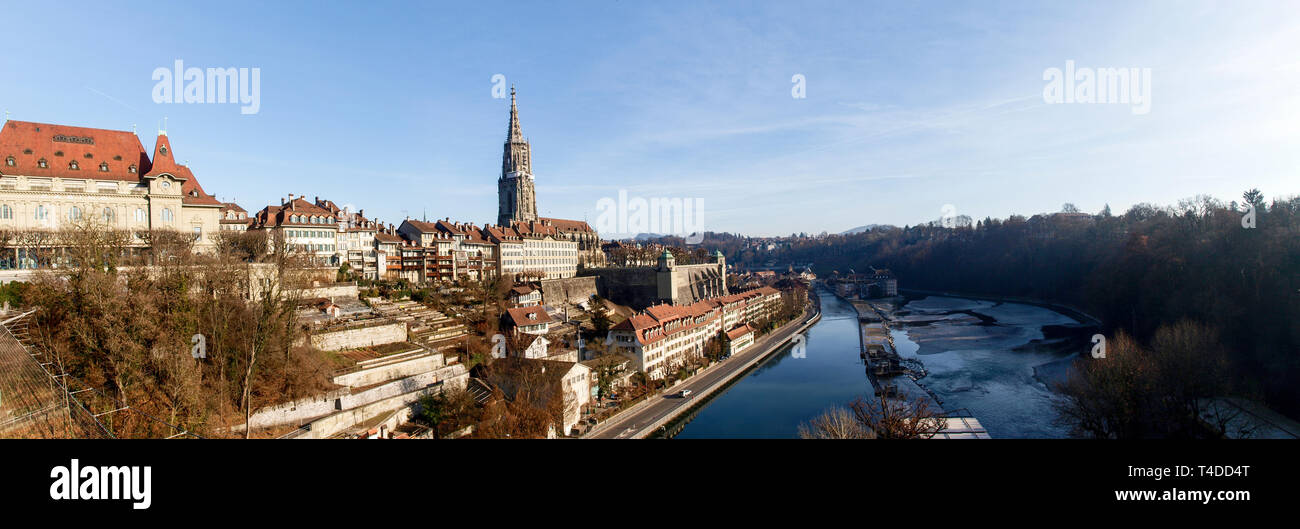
[
  {"x": 53, "y": 176},
  {"x": 665, "y": 337}
]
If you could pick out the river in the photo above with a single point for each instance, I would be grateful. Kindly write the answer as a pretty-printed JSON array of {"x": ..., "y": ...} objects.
[{"x": 989, "y": 358}]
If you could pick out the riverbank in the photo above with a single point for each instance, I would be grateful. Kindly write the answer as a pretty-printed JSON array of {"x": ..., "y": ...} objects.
[
  {"x": 649, "y": 416},
  {"x": 1073, "y": 312},
  {"x": 880, "y": 355},
  {"x": 997, "y": 360}
]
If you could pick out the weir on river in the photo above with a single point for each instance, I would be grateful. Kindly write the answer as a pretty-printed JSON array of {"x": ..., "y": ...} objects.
[{"x": 988, "y": 366}]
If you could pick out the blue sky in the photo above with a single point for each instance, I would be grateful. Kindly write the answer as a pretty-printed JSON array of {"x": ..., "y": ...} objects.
[{"x": 909, "y": 107}]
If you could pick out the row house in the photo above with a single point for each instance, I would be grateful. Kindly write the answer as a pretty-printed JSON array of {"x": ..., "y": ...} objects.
[
  {"x": 473, "y": 254},
  {"x": 434, "y": 249},
  {"x": 303, "y": 227},
  {"x": 356, "y": 239},
  {"x": 234, "y": 218},
  {"x": 417, "y": 251},
  {"x": 663, "y": 337}
]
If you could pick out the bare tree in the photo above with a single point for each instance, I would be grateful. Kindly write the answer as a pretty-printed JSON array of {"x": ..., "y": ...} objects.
[{"x": 835, "y": 423}]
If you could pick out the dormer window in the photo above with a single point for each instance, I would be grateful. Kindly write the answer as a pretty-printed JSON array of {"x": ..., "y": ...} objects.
[
  {"x": 131, "y": 169},
  {"x": 42, "y": 163},
  {"x": 88, "y": 156},
  {"x": 73, "y": 165},
  {"x": 103, "y": 167},
  {"x": 10, "y": 161}
]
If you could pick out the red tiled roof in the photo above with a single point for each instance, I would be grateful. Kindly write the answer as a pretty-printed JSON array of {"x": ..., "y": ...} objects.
[
  {"x": 533, "y": 229},
  {"x": 91, "y": 149},
  {"x": 739, "y": 331},
  {"x": 119, "y": 149},
  {"x": 164, "y": 160},
  {"x": 194, "y": 193},
  {"x": 520, "y": 315},
  {"x": 387, "y": 238},
  {"x": 424, "y": 227},
  {"x": 500, "y": 233},
  {"x": 568, "y": 225},
  {"x": 656, "y": 316},
  {"x": 272, "y": 216}
]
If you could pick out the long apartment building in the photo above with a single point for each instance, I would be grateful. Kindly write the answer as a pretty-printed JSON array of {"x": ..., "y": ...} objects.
[
  {"x": 536, "y": 248},
  {"x": 663, "y": 337},
  {"x": 53, "y": 176},
  {"x": 445, "y": 250}
]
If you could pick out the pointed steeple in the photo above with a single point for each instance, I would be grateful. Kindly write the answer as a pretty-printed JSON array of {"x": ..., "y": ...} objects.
[
  {"x": 164, "y": 160},
  {"x": 517, "y": 200},
  {"x": 515, "y": 160},
  {"x": 514, "y": 133}
]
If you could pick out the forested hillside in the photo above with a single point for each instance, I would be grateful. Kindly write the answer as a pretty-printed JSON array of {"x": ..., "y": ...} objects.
[{"x": 1138, "y": 271}]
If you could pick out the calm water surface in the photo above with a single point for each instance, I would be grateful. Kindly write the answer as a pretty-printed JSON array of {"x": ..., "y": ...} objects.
[{"x": 983, "y": 368}]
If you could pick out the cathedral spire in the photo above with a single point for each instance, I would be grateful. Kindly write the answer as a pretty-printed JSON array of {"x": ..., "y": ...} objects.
[
  {"x": 514, "y": 134},
  {"x": 518, "y": 200},
  {"x": 515, "y": 158}
]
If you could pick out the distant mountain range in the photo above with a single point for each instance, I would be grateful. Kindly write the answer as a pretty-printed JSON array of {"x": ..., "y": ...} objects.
[{"x": 868, "y": 227}]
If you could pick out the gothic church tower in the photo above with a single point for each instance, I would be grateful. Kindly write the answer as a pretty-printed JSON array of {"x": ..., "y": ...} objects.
[{"x": 517, "y": 200}]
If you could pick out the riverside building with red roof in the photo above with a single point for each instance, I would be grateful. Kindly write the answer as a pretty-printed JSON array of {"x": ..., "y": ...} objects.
[
  {"x": 52, "y": 176},
  {"x": 663, "y": 337}
]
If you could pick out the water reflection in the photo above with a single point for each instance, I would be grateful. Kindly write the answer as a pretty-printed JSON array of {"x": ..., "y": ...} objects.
[{"x": 987, "y": 368}]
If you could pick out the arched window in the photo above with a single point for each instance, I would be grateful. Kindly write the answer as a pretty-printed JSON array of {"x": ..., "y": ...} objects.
[
  {"x": 139, "y": 214},
  {"x": 108, "y": 214},
  {"x": 167, "y": 214},
  {"x": 74, "y": 213},
  {"x": 6, "y": 212}
]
